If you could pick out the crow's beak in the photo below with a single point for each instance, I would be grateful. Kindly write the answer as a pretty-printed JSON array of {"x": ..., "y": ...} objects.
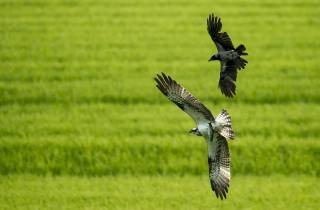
[{"x": 213, "y": 58}]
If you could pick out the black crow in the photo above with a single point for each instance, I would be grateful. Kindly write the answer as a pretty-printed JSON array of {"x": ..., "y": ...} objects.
[{"x": 229, "y": 57}]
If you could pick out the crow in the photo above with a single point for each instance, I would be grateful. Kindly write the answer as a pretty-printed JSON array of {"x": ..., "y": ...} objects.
[{"x": 229, "y": 57}]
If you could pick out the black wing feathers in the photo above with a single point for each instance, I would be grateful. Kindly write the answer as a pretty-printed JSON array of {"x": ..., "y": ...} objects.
[
  {"x": 214, "y": 25},
  {"x": 228, "y": 77},
  {"x": 222, "y": 39}
]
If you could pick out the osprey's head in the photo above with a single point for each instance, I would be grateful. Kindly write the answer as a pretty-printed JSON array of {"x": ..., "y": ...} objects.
[
  {"x": 195, "y": 131},
  {"x": 214, "y": 58}
]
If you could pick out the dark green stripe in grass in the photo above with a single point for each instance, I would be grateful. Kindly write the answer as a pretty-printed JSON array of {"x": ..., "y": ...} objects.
[
  {"x": 117, "y": 157},
  {"x": 131, "y": 100}
]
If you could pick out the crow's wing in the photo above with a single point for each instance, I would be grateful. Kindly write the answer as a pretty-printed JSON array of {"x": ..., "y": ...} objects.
[
  {"x": 228, "y": 78},
  {"x": 183, "y": 99},
  {"x": 219, "y": 164},
  {"x": 221, "y": 39}
]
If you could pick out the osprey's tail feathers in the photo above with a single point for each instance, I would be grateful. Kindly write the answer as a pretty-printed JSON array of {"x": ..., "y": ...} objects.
[
  {"x": 224, "y": 120},
  {"x": 240, "y": 62}
]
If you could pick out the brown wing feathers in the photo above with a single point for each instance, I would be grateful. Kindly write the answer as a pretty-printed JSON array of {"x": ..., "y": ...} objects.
[
  {"x": 219, "y": 169},
  {"x": 182, "y": 98},
  {"x": 166, "y": 85},
  {"x": 162, "y": 85}
]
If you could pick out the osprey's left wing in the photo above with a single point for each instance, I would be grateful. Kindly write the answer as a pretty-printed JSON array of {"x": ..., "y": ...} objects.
[
  {"x": 221, "y": 39},
  {"x": 219, "y": 164},
  {"x": 183, "y": 99}
]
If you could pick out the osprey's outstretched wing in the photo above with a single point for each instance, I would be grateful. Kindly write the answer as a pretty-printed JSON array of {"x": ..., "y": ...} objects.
[
  {"x": 219, "y": 164},
  {"x": 228, "y": 78},
  {"x": 183, "y": 99},
  {"x": 221, "y": 39}
]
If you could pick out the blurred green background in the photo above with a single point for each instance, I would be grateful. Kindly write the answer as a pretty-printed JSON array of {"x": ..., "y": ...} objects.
[{"x": 82, "y": 125}]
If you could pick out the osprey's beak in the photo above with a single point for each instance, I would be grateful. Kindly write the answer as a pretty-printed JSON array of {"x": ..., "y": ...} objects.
[{"x": 191, "y": 131}]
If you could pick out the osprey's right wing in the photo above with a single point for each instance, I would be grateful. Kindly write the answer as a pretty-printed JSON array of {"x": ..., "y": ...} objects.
[
  {"x": 219, "y": 164},
  {"x": 183, "y": 99}
]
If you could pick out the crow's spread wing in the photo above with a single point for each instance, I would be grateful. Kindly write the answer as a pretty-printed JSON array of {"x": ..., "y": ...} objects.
[
  {"x": 183, "y": 99},
  {"x": 219, "y": 164},
  {"x": 228, "y": 77},
  {"x": 221, "y": 39}
]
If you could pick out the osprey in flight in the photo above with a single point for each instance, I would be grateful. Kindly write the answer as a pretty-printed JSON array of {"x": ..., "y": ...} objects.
[
  {"x": 216, "y": 131},
  {"x": 229, "y": 57}
]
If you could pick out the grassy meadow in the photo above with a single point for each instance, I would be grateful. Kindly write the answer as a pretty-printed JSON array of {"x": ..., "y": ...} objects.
[{"x": 82, "y": 125}]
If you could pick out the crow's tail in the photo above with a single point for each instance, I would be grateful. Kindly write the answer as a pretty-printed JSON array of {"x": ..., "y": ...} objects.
[
  {"x": 240, "y": 62},
  {"x": 241, "y": 50}
]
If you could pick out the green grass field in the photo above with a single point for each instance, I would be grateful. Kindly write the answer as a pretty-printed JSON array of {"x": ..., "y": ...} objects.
[
  {"x": 82, "y": 125},
  {"x": 157, "y": 192}
]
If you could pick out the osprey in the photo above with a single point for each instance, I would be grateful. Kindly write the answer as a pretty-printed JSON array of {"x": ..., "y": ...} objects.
[
  {"x": 216, "y": 131},
  {"x": 229, "y": 57}
]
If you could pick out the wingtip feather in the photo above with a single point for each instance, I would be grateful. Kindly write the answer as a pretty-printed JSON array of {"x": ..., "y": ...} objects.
[{"x": 214, "y": 25}]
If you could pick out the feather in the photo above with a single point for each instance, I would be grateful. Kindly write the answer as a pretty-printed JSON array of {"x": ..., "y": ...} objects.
[
  {"x": 183, "y": 99},
  {"x": 219, "y": 165},
  {"x": 221, "y": 39},
  {"x": 228, "y": 77}
]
